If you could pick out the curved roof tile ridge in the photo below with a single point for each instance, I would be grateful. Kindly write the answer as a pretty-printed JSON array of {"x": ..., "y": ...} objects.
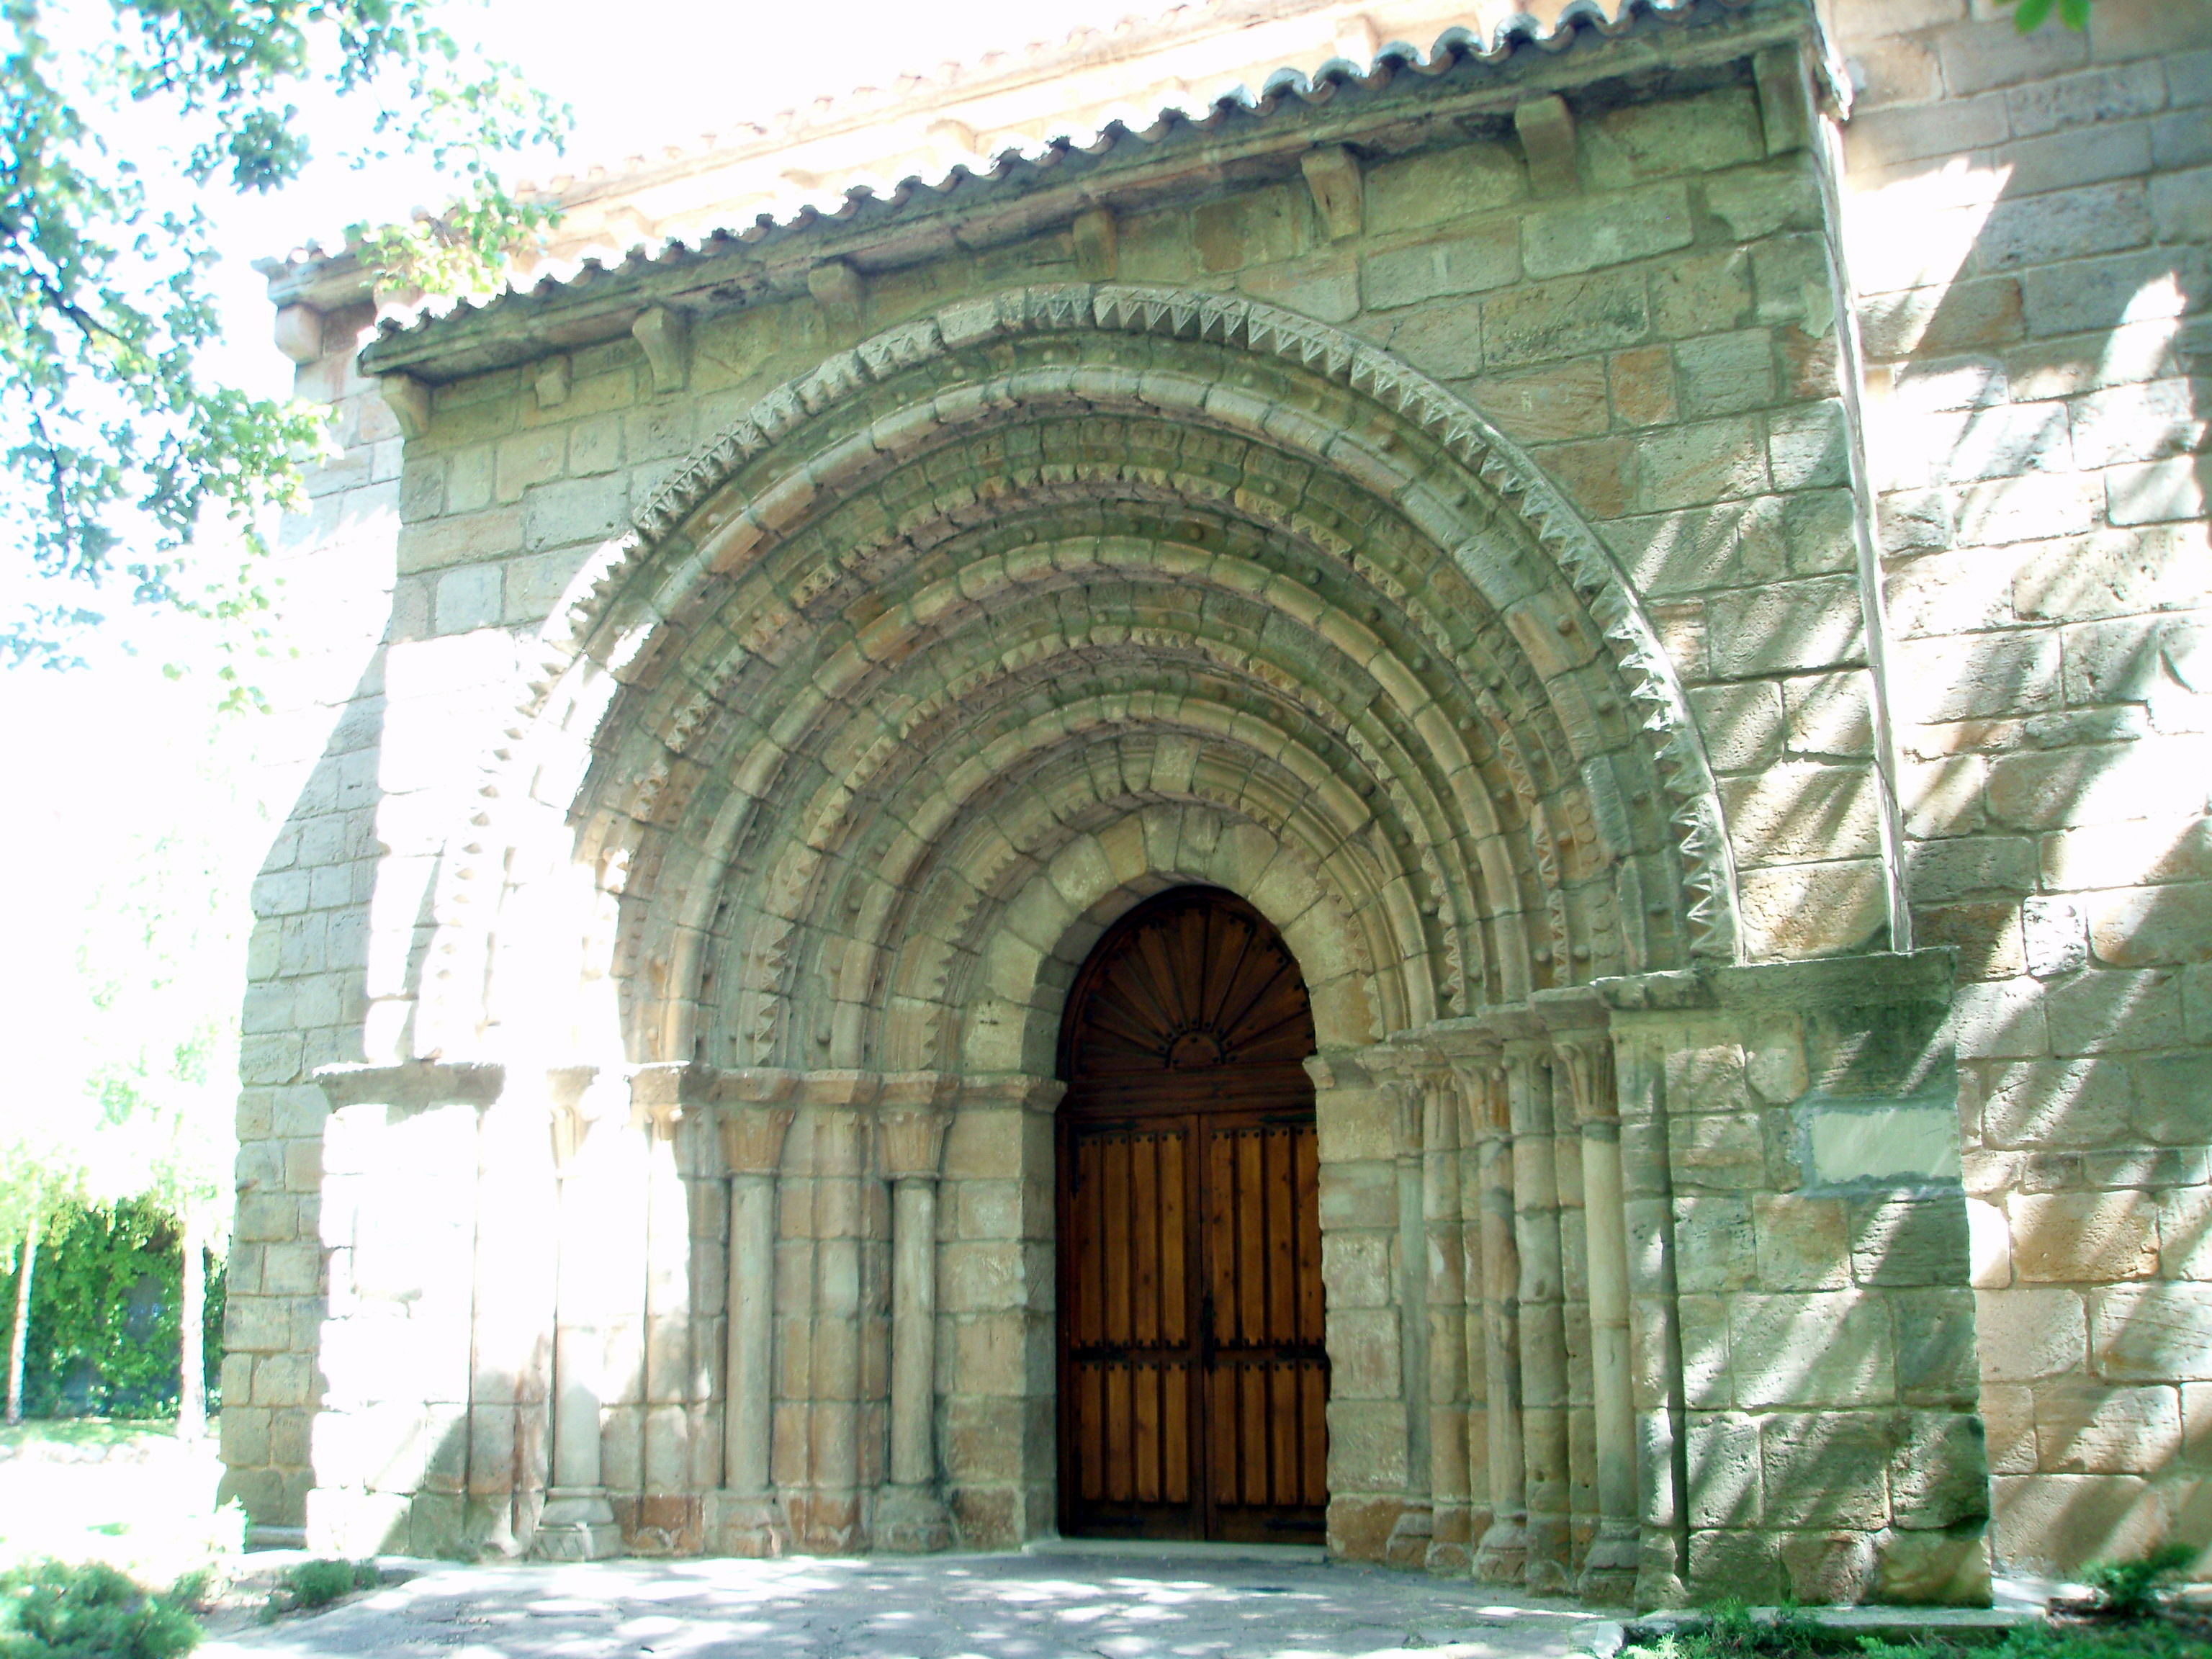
[{"x": 1457, "y": 44}]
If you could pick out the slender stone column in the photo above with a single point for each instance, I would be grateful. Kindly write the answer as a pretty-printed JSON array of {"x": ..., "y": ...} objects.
[
  {"x": 1655, "y": 1339},
  {"x": 1410, "y": 1535},
  {"x": 1543, "y": 1328},
  {"x": 1608, "y": 1572},
  {"x": 744, "y": 1517},
  {"x": 910, "y": 1516},
  {"x": 578, "y": 1523},
  {"x": 1451, "y": 1549},
  {"x": 1473, "y": 1342},
  {"x": 1501, "y": 1556}
]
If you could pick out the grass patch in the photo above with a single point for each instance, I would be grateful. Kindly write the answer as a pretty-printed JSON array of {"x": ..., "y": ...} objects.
[
  {"x": 88, "y": 1431},
  {"x": 53, "y": 1610},
  {"x": 2129, "y": 1589},
  {"x": 312, "y": 1584},
  {"x": 2102, "y": 1639},
  {"x": 1732, "y": 1632}
]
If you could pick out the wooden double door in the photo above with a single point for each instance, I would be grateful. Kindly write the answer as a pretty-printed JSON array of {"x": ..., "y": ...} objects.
[{"x": 1194, "y": 1383}]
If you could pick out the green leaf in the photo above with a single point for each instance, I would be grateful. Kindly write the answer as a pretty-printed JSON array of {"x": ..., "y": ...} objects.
[{"x": 120, "y": 461}]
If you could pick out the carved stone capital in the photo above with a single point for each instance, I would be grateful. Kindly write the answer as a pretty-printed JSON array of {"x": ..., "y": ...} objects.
[
  {"x": 752, "y": 1138},
  {"x": 1585, "y": 1061},
  {"x": 657, "y": 1098},
  {"x": 911, "y": 1141},
  {"x": 575, "y": 1108}
]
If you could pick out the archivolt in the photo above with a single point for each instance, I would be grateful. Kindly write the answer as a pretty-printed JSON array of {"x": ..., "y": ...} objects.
[{"x": 952, "y": 606}]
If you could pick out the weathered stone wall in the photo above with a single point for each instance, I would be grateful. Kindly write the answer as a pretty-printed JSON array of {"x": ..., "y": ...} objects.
[
  {"x": 2026, "y": 221},
  {"x": 1800, "y": 1119},
  {"x": 320, "y": 750},
  {"x": 512, "y": 879}
]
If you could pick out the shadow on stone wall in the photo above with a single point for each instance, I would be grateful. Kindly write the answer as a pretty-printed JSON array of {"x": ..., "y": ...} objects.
[{"x": 2036, "y": 437}]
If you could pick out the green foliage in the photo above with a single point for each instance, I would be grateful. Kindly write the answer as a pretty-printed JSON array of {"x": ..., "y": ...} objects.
[
  {"x": 2129, "y": 1589},
  {"x": 2145, "y": 1639},
  {"x": 91, "y": 1611},
  {"x": 1732, "y": 1632},
  {"x": 317, "y": 1584},
  {"x": 105, "y": 1299},
  {"x": 2028, "y": 15},
  {"x": 115, "y": 454}
]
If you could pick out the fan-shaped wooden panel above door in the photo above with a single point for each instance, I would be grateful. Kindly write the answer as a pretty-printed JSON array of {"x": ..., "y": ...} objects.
[{"x": 1193, "y": 1385}]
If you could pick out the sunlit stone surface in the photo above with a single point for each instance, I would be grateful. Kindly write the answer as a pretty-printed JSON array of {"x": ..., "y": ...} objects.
[{"x": 1670, "y": 571}]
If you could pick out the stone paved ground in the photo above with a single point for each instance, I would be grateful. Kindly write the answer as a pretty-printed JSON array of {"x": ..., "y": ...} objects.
[{"x": 992, "y": 1607}]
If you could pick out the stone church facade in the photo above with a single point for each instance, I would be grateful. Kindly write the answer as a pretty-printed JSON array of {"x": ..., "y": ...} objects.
[{"x": 1648, "y": 572}]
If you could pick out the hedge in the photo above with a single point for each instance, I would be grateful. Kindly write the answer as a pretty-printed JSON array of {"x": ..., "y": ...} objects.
[{"x": 105, "y": 1310}]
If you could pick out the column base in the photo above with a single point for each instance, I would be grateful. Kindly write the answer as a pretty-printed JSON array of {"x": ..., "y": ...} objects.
[
  {"x": 1407, "y": 1545},
  {"x": 911, "y": 1521},
  {"x": 1659, "y": 1574},
  {"x": 577, "y": 1524},
  {"x": 1608, "y": 1576},
  {"x": 1503, "y": 1555},
  {"x": 748, "y": 1524},
  {"x": 1451, "y": 1549}
]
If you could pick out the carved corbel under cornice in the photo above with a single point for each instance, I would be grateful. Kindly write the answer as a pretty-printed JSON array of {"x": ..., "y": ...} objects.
[{"x": 408, "y": 400}]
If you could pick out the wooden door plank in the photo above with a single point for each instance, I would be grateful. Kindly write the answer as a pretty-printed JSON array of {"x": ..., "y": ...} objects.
[
  {"x": 1313, "y": 1425},
  {"x": 1311, "y": 1322},
  {"x": 1145, "y": 1432},
  {"x": 1251, "y": 1237},
  {"x": 1174, "y": 1188},
  {"x": 1281, "y": 1178},
  {"x": 1144, "y": 1240},
  {"x": 1121, "y": 1477},
  {"x": 1176, "y": 1485},
  {"x": 1114, "y": 1240}
]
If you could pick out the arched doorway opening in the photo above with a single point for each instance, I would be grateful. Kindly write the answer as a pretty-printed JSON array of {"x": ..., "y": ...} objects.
[{"x": 1193, "y": 1382}]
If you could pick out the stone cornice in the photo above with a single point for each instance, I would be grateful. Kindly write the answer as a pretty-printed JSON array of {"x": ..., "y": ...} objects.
[
  {"x": 1397, "y": 108},
  {"x": 414, "y": 1084},
  {"x": 1881, "y": 978},
  {"x": 672, "y": 1086}
]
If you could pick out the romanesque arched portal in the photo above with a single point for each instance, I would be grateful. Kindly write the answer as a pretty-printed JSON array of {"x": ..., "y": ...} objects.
[
  {"x": 924, "y": 673},
  {"x": 939, "y": 663}
]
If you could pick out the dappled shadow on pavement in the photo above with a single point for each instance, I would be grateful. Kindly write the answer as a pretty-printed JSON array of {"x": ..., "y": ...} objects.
[{"x": 941, "y": 1607}]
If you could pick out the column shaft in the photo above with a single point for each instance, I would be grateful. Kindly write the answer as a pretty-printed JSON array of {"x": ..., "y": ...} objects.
[
  {"x": 914, "y": 1329},
  {"x": 1655, "y": 1342},
  {"x": 578, "y": 1522},
  {"x": 910, "y": 1515},
  {"x": 1608, "y": 1572},
  {"x": 1410, "y": 1538},
  {"x": 744, "y": 1517},
  {"x": 1543, "y": 1330},
  {"x": 1449, "y": 1547},
  {"x": 1502, "y": 1556},
  {"x": 752, "y": 1333},
  {"x": 1474, "y": 1344}
]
